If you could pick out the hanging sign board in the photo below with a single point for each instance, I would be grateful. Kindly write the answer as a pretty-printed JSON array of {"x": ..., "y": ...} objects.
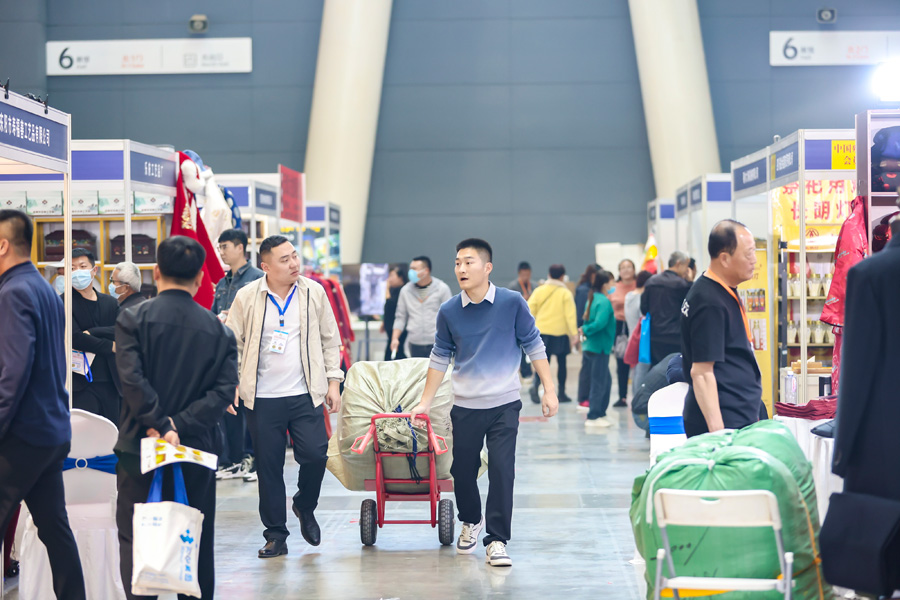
[
  {"x": 827, "y": 48},
  {"x": 750, "y": 175},
  {"x": 291, "y": 194},
  {"x": 23, "y": 130},
  {"x": 150, "y": 57}
]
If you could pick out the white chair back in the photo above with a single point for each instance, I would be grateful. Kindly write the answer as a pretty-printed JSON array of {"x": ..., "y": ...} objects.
[
  {"x": 92, "y": 436},
  {"x": 666, "y": 405},
  {"x": 702, "y": 508}
]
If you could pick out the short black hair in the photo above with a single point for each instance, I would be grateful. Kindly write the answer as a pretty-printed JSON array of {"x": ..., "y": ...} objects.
[
  {"x": 235, "y": 236},
  {"x": 601, "y": 278},
  {"x": 524, "y": 266},
  {"x": 557, "y": 271},
  {"x": 180, "y": 258},
  {"x": 423, "y": 259},
  {"x": 402, "y": 270},
  {"x": 79, "y": 252},
  {"x": 19, "y": 230},
  {"x": 641, "y": 279},
  {"x": 482, "y": 247},
  {"x": 723, "y": 237},
  {"x": 271, "y": 242}
]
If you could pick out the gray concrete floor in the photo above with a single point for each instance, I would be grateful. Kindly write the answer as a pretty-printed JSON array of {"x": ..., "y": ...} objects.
[{"x": 571, "y": 532}]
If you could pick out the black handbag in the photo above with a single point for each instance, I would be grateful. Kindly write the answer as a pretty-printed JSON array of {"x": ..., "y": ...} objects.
[{"x": 860, "y": 543}]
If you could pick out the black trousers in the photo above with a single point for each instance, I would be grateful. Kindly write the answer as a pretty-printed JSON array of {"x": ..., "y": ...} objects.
[
  {"x": 305, "y": 423},
  {"x": 500, "y": 426},
  {"x": 623, "y": 370},
  {"x": 234, "y": 433},
  {"x": 34, "y": 474},
  {"x": 101, "y": 398},
  {"x": 417, "y": 351},
  {"x": 558, "y": 346},
  {"x": 133, "y": 486}
]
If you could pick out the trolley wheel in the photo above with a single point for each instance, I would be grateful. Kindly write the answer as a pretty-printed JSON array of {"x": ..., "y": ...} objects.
[
  {"x": 368, "y": 522},
  {"x": 446, "y": 522}
]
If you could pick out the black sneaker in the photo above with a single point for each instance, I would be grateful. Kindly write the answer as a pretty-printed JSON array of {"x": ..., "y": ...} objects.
[
  {"x": 229, "y": 471},
  {"x": 621, "y": 404},
  {"x": 564, "y": 398},
  {"x": 535, "y": 397}
]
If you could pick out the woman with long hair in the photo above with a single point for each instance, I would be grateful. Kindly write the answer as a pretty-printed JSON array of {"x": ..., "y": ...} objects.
[
  {"x": 632, "y": 318},
  {"x": 599, "y": 331},
  {"x": 582, "y": 291},
  {"x": 624, "y": 284},
  {"x": 397, "y": 278}
]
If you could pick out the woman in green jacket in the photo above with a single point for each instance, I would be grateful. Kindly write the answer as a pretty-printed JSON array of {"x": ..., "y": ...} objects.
[{"x": 599, "y": 331}]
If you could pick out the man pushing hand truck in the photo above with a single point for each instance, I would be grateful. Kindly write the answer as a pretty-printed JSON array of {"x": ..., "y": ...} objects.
[{"x": 483, "y": 329}]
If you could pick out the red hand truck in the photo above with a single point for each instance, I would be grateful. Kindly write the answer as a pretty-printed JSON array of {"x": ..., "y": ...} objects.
[{"x": 371, "y": 514}]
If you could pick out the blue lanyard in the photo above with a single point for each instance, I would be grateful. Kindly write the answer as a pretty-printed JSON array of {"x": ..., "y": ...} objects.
[
  {"x": 87, "y": 367},
  {"x": 281, "y": 311}
]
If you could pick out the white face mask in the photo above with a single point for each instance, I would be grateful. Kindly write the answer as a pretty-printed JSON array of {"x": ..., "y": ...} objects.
[{"x": 82, "y": 279}]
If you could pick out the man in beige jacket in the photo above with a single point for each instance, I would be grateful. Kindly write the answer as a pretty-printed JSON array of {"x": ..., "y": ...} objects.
[{"x": 289, "y": 352}]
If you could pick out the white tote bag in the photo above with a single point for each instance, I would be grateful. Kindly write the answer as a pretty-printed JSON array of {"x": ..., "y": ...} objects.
[{"x": 166, "y": 542}]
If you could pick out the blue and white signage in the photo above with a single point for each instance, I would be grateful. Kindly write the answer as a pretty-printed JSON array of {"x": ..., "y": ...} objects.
[
  {"x": 651, "y": 212},
  {"x": 152, "y": 169},
  {"x": 750, "y": 175},
  {"x": 666, "y": 211},
  {"x": 682, "y": 200},
  {"x": 32, "y": 133},
  {"x": 786, "y": 161},
  {"x": 265, "y": 200},
  {"x": 696, "y": 194},
  {"x": 98, "y": 165},
  {"x": 334, "y": 216},
  {"x": 718, "y": 191}
]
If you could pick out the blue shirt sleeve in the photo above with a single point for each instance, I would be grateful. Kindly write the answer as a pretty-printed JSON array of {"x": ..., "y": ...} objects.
[
  {"x": 444, "y": 348},
  {"x": 527, "y": 334}
]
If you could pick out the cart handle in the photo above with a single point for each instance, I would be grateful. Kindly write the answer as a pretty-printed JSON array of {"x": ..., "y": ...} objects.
[{"x": 437, "y": 442}]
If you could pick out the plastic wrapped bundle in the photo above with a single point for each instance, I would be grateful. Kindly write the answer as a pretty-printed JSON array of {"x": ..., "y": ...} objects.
[
  {"x": 382, "y": 387},
  {"x": 763, "y": 456}
]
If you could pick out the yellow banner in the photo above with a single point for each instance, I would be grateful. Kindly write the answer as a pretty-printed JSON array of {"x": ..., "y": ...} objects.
[
  {"x": 759, "y": 304},
  {"x": 843, "y": 155},
  {"x": 827, "y": 207}
]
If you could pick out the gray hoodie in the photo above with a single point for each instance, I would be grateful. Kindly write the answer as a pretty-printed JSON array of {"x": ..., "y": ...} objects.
[{"x": 417, "y": 315}]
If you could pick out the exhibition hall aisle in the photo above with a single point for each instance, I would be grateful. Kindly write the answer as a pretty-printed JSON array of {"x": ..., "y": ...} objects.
[{"x": 571, "y": 533}]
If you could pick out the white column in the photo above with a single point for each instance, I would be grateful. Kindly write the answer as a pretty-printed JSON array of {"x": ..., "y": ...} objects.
[
  {"x": 344, "y": 117},
  {"x": 675, "y": 90}
]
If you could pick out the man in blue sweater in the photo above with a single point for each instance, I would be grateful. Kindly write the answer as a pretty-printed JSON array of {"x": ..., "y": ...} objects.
[
  {"x": 35, "y": 431},
  {"x": 483, "y": 329}
]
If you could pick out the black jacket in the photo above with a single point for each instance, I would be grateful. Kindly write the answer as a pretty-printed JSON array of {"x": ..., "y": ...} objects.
[
  {"x": 94, "y": 318},
  {"x": 175, "y": 359},
  {"x": 662, "y": 299},
  {"x": 109, "y": 333},
  {"x": 866, "y": 445}
]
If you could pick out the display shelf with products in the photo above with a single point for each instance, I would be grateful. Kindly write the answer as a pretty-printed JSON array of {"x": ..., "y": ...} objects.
[
  {"x": 811, "y": 186},
  {"x": 661, "y": 224},
  {"x": 35, "y": 154},
  {"x": 321, "y": 239},
  {"x": 259, "y": 197},
  {"x": 750, "y": 206},
  {"x": 123, "y": 194},
  {"x": 709, "y": 197},
  {"x": 878, "y": 169},
  {"x": 682, "y": 221}
]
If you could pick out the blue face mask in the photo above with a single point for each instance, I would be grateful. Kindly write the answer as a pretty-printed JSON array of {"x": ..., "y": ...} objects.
[
  {"x": 611, "y": 291},
  {"x": 413, "y": 276},
  {"x": 81, "y": 280},
  {"x": 112, "y": 290},
  {"x": 60, "y": 284}
]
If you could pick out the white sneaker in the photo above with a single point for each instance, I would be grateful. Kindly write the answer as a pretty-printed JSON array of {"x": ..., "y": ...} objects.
[
  {"x": 468, "y": 537},
  {"x": 229, "y": 471},
  {"x": 496, "y": 555},
  {"x": 248, "y": 469},
  {"x": 602, "y": 422}
]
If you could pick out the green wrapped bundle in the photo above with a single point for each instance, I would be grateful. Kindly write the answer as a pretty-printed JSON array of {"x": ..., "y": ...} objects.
[{"x": 743, "y": 460}]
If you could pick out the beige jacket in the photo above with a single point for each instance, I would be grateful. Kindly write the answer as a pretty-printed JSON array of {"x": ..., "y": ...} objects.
[{"x": 320, "y": 343}]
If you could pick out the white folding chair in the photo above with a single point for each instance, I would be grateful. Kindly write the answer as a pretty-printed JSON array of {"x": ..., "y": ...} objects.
[
  {"x": 705, "y": 508},
  {"x": 666, "y": 423},
  {"x": 90, "y": 504}
]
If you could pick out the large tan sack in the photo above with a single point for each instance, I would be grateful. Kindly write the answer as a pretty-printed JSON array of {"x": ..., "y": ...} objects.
[{"x": 379, "y": 387}]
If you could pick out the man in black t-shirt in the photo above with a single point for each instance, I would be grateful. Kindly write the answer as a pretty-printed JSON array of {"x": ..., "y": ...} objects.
[{"x": 726, "y": 390}]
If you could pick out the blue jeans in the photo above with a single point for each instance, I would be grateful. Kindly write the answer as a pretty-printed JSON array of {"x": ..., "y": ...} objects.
[{"x": 601, "y": 384}]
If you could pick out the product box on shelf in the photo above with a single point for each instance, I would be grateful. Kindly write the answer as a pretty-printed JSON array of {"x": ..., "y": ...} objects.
[
  {"x": 44, "y": 204},
  {"x": 13, "y": 201},
  {"x": 143, "y": 248},
  {"x": 153, "y": 204},
  {"x": 112, "y": 202},
  {"x": 85, "y": 203},
  {"x": 54, "y": 243}
]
